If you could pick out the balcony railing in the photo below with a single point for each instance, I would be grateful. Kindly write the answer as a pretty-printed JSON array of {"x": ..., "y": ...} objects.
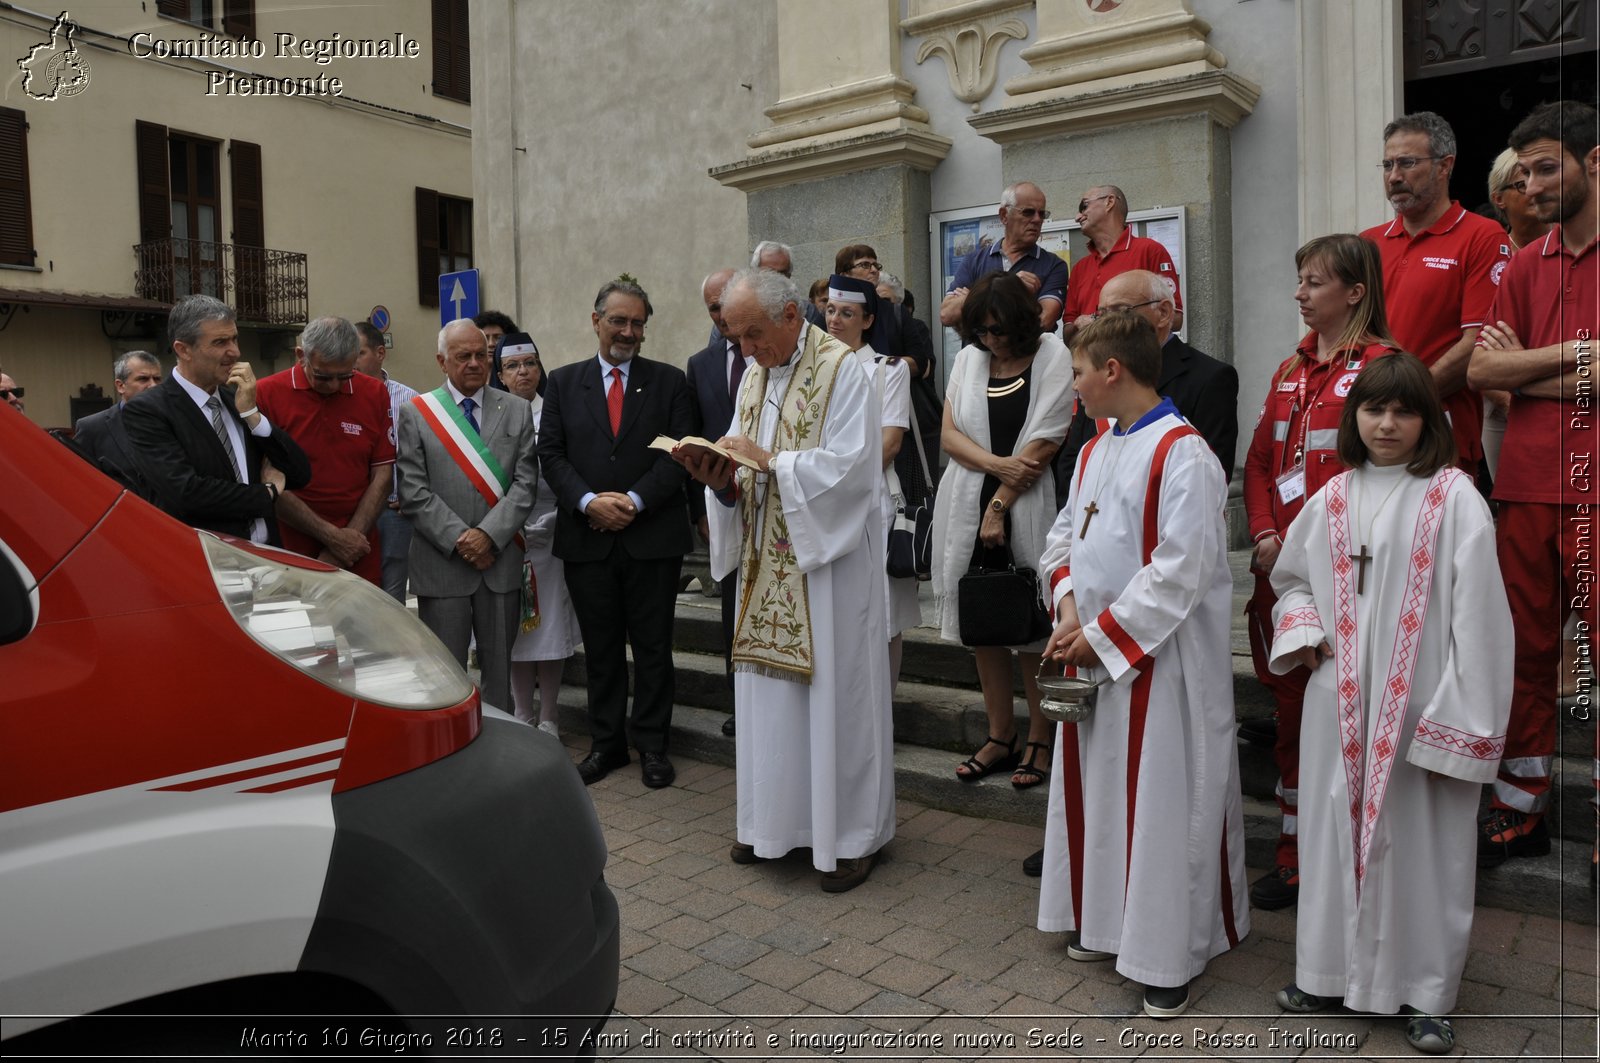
[{"x": 263, "y": 286}]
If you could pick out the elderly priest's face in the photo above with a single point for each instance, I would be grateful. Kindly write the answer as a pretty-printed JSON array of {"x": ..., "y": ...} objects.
[{"x": 770, "y": 343}]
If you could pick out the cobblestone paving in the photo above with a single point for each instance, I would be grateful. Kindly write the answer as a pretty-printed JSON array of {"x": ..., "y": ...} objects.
[{"x": 936, "y": 957}]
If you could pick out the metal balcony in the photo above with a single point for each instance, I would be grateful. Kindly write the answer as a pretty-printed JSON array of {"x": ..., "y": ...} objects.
[{"x": 264, "y": 287}]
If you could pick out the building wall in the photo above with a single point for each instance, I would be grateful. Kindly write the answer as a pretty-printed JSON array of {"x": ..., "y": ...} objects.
[
  {"x": 594, "y": 162},
  {"x": 338, "y": 178}
]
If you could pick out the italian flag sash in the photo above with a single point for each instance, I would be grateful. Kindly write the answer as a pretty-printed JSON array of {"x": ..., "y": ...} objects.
[{"x": 482, "y": 470}]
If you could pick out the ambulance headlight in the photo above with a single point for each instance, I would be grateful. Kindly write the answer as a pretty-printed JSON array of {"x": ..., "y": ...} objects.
[{"x": 337, "y": 628}]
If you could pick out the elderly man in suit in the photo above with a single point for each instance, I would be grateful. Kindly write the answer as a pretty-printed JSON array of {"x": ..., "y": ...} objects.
[
  {"x": 1205, "y": 389},
  {"x": 102, "y": 435},
  {"x": 714, "y": 378},
  {"x": 467, "y": 472},
  {"x": 209, "y": 457},
  {"x": 622, "y": 526}
]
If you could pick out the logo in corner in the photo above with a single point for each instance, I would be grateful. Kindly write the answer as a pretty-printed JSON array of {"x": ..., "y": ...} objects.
[{"x": 57, "y": 68}]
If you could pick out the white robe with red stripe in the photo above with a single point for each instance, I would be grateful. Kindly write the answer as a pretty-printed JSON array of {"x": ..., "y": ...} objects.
[
  {"x": 1402, "y": 727},
  {"x": 1144, "y": 848}
]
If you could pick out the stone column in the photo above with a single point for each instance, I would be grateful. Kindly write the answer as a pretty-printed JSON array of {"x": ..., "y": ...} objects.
[
  {"x": 1132, "y": 94},
  {"x": 847, "y": 157},
  {"x": 1350, "y": 88}
]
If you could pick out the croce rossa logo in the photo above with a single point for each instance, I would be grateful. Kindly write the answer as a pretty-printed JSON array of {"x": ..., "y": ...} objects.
[{"x": 57, "y": 68}]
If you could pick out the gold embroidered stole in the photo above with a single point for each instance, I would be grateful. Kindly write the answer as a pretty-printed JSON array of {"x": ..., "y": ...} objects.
[{"x": 773, "y": 633}]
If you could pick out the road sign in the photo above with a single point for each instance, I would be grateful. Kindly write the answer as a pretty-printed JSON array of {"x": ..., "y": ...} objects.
[
  {"x": 458, "y": 295},
  {"x": 379, "y": 318}
]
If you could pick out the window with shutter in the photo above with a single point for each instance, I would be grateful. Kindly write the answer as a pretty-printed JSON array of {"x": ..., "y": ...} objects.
[
  {"x": 452, "y": 51},
  {"x": 249, "y": 232},
  {"x": 198, "y": 12},
  {"x": 239, "y": 18},
  {"x": 427, "y": 247},
  {"x": 16, "y": 211}
]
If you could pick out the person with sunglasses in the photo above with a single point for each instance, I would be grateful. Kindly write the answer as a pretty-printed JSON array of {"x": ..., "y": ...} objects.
[
  {"x": 11, "y": 391},
  {"x": 1113, "y": 249},
  {"x": 1023, "y": 214},
  {"x": 340, "y": 418}
]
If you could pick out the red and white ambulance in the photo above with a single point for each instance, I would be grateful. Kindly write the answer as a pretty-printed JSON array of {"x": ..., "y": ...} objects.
[{"x": 235, "y": 780}]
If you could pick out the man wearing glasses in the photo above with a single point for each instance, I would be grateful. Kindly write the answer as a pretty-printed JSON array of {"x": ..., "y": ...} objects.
[
  {"x": 1113, "y": 249},
  {"x": 1023, "y": 213},
  {"x": 1441, "y": 268},
  {"x": 340, "y": 418},
  {"x": 622, "y": 526}
]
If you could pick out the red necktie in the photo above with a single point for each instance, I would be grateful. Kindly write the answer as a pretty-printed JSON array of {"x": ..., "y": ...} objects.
[
  {"x": 736, "y": 376},
  {"x": 614, "y": 401}
]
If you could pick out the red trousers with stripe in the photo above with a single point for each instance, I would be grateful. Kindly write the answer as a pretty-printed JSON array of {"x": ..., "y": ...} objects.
[
  {"x": 1289, "y": 693},
  {"x": 1549, "y": 562}
]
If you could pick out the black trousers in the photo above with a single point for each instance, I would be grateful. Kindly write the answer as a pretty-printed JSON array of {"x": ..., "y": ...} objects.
[{"x": 621, "y": 602}]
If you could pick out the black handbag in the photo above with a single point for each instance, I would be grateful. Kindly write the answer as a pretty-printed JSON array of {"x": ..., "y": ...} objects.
[
  {"x": 1001, "y": 607},
  {"x": 909, "y": 552}
]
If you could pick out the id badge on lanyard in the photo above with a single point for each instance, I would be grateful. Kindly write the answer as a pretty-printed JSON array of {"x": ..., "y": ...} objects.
[{"x": 1292, "y": 485}]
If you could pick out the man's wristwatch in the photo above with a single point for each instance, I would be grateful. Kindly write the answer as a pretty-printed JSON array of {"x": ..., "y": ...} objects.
[
  {"x": 274, "y": 489},
  {"x": 997, "y": 505}
]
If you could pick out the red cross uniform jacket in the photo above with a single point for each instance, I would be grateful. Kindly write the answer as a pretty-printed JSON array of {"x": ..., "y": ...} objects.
[{"x": 1299, "y": 429}]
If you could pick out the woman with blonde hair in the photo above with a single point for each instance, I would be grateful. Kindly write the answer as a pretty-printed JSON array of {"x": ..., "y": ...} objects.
[{"x": 1293, "y": 454}]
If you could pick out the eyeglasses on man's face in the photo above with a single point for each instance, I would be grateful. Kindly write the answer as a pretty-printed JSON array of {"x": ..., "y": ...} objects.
[
  {"x": 1083, "y": 204},
  {"x": 1117, "y": 308},
  {"x": 1406, "y": 163},
  {"x": 1031, "y": 213},
  {"x": 620, "y": 323},
  {"x": 324, "y": 378},
  {"x": 6, "y": 393}
]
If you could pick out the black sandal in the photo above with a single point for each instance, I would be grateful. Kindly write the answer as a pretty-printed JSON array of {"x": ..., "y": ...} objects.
[
  {"x": 976, "y": 769},
  {"x": 1028, "y": 771}
]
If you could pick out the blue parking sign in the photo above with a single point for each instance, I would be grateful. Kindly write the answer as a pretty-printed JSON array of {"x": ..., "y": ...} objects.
[{"x": 458, "y": 295}]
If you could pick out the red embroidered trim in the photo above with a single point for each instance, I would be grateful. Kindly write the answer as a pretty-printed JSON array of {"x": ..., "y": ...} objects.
[
  {"x": 1462, "y": 743},
  {"x": 1305, "y": 616}
]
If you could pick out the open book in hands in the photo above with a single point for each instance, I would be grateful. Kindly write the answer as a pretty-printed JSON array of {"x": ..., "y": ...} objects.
[{"x": 669, "y": 444}]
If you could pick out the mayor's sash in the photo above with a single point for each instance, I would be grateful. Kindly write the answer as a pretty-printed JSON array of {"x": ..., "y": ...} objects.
[
  {"x": 773, "y": 634},
  {"x": 483, "y": 471}
]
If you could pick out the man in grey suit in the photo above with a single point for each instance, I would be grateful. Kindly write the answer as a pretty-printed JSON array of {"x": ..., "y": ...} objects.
[
  {"x": 103, "y": 434},
  {"x": 467, "y": 473}
]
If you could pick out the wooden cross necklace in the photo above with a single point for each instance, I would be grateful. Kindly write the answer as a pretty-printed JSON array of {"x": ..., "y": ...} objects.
[
  {"x": 1361, "y": 559},
  {"x": 1093, "y": 507}
]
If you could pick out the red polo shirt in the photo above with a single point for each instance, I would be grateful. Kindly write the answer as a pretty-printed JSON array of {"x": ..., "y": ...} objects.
[
  {"x": 1436, "y": 285},
  {"x": 346, "y": 436},
  {"x": 1548, "y": 295},
  {"x": 1127, "y": 252}
]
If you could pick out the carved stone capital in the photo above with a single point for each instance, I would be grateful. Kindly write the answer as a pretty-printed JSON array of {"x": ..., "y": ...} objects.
[
  {"x": 916, "y": 148},
  {"x": 969, "y": 35}
]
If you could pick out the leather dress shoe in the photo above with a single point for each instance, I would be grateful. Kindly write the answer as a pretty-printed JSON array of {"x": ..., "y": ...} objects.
[
  {"x": 849, "y": 874},
  {"x": 656, "y": 770},
  {"x": 597, "y": 765},
  {"x": 1033, "y": 865},
  {"x": 727, "y": 726}
]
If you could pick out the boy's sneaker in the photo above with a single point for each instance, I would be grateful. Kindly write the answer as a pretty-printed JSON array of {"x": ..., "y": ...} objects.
[{"x": 1505, "y": 834}]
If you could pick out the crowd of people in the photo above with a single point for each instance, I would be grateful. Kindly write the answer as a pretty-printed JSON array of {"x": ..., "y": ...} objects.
[{"x": 1444, "y": 352}]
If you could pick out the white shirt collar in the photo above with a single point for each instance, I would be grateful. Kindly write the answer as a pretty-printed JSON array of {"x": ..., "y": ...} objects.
[
  {"x": 458, "y": 395},
  {"x": 198, "y": 394}
]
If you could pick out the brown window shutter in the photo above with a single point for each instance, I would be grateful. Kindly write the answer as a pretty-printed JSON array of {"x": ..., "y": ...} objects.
[
  {"x": 249, "y": 226},
  {"x": 442, "y": 46},
  {"x": 173, "y": 9},
  {"x": 461, "y": 57},
  {"x": 427, "y": 247},
  {"x": 155, "y": 196},
  {"x": 249, "y": 231},
  {"x": 16, "y": 211},
  {"x": 239, "y": 18}
]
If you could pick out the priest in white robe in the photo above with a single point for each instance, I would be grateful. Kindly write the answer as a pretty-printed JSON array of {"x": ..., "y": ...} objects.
[
  {"x": 1405, "y": 719},
  {"x": 811, "y": 681},
  {"x": 1144, "y": 846}
]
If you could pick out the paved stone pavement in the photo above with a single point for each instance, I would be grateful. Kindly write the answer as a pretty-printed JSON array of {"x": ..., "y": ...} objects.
[{"x": 936, "y": 957}]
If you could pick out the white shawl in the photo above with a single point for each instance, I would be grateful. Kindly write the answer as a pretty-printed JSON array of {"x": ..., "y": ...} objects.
[{"x": 955, "y": 515}]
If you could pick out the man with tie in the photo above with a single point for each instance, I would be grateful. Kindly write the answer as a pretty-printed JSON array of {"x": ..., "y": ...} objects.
[
  {"x": 207, "y": 454},
  {"x": 714, "y": 378},
  {"x": 102, "y": 435},
  {"x": 467, "y": 471},
  {"x": 622, "y": 526}
]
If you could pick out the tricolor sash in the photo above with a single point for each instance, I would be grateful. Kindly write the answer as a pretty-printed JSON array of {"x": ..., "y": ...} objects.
[{"x": 482, "y": 470}]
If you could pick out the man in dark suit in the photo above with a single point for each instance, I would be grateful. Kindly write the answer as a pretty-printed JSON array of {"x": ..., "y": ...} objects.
[
  {"x": 1205, "y": 390},
  {"x": 207, "y": 454},
  {"x": 102, "y": 435},
  {"x": 714, "y": 378},
  {"x": 622, "y": 526},
  {"x": 465, "y": 563}
]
